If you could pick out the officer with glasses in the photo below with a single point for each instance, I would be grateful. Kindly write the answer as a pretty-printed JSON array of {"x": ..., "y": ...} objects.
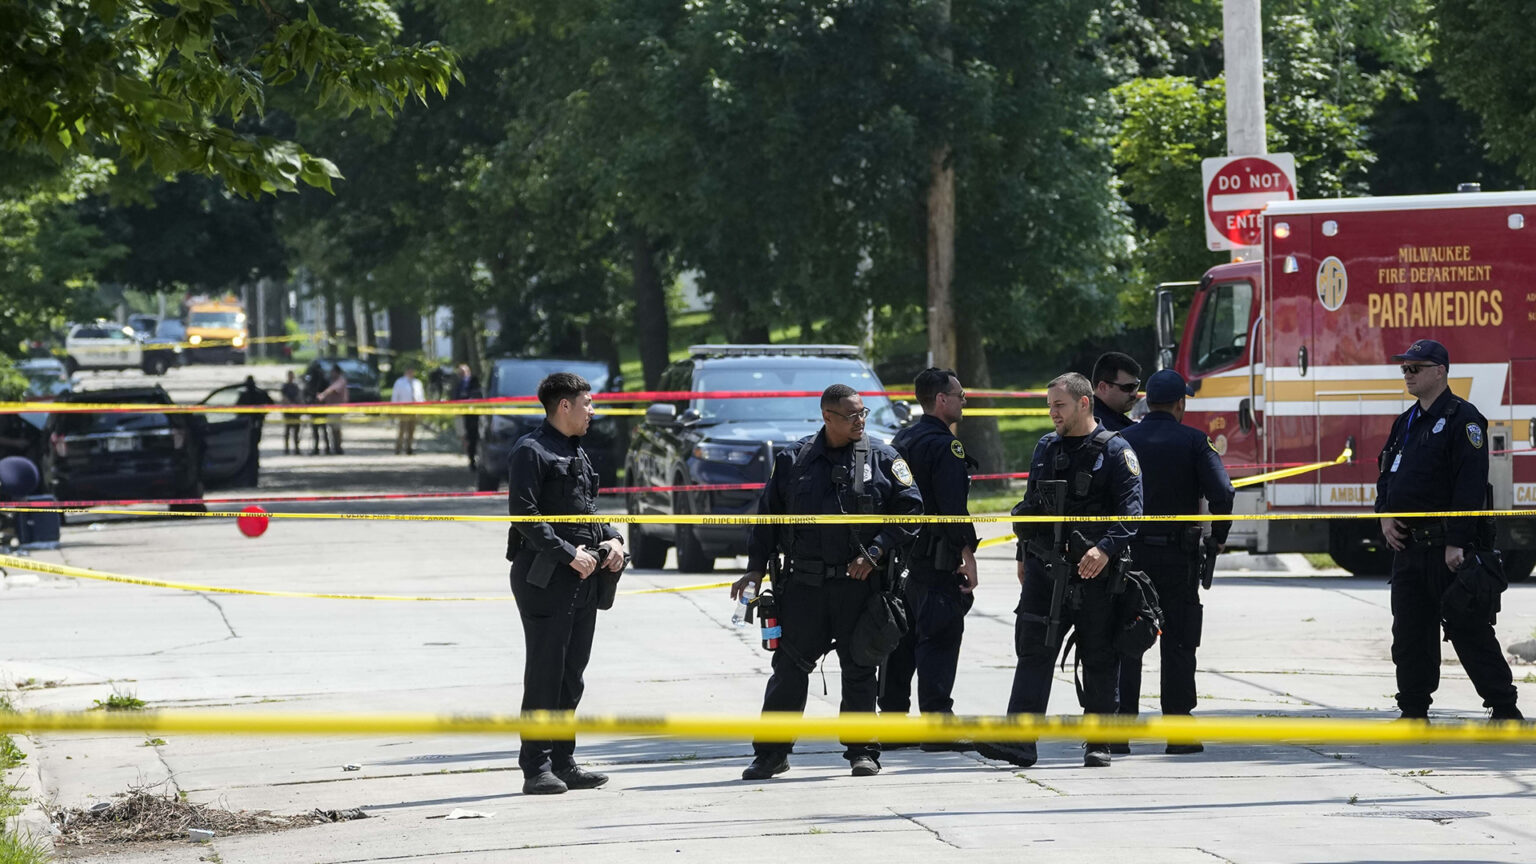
[
  {"x": 1116, "y": 379},
  {"x": 1436, "y": 459},
  {"x": 829, "y": 571}
]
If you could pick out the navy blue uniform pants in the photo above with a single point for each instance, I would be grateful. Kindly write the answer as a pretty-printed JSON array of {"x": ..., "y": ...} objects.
[
  {"x": 558, "y": 622},
  {"x": 1089, "y": 612},
  {"x": 1419, "y": 578},
  {"x": 1183, "y": 618},
  {"x": 931, "y": 649},
  {"x": 813, "y": 617}
]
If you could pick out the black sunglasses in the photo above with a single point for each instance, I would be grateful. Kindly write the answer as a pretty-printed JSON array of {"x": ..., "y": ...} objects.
[
  {"x": 1415, "y": 368},
  {"x": 1126, "y": 388}
]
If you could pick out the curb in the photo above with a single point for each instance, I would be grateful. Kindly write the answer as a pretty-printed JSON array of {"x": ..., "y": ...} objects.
[{"x": 32, "y": 822}]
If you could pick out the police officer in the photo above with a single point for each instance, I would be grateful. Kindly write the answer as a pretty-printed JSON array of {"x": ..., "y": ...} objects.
[
  {"x": 826, "y": 578},
  {"x": 1103, "y": 478},
  {"x": 942, "y": 563},
  {"x": 1116, "y": 378},
  {"x": 1436, "y": 459},
  {"x": 1180, "y": 467},
  {"x": 553, "y": 573}
]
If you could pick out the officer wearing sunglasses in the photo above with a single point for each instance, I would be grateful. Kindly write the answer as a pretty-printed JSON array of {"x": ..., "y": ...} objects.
[
  {"x": 1436, "y": 459},
  {"x": 1116, "y": 380}
]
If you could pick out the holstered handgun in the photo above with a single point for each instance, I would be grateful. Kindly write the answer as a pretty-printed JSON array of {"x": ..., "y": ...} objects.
[{"x": 1209, "y": 550}]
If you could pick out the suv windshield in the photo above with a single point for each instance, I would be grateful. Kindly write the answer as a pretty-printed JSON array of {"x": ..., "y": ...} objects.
[
  {"x": 814, "y": 377},
  {"x": 228, "y": 320},
  {"x": 522, "y": 377}
]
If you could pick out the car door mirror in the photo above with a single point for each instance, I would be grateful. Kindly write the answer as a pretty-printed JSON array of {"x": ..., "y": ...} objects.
[
  {"x": 690, "y": 417},
  {"x": 661, "y": 414},
  {"x": 617, "y": 384},
  {"x": 903, "y": 412}
]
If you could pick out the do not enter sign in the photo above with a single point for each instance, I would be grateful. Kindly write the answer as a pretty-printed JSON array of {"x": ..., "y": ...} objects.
[{"x": 1236, "y": 189}]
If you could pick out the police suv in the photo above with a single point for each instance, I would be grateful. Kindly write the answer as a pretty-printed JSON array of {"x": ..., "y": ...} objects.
[{"x": 713, "y": 439}]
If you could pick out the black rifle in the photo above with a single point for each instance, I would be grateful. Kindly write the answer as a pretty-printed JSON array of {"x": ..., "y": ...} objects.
[{"x": 1053, "y": 501}]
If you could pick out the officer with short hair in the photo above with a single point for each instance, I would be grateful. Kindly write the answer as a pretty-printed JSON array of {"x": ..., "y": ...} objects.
[
  {"x": 1103, "y": 478},
  {"x": 1436, "y": 459},
  {"x": 550, "y": 474},
  {"x": 942, "y": 561},
  {"x": 1116, "y": 378},
  {"x": 1179, "y": 467},
  {"x": 826, "y": 579}
]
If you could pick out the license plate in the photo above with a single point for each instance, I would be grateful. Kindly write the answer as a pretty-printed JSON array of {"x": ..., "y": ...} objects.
[{"x": 122, "y": 445}]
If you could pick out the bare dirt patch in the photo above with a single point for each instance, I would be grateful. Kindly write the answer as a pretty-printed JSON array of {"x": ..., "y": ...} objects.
[{"x": 146, "y": 816}]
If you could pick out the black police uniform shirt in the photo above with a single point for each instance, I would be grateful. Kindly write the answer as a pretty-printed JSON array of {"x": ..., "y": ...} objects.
[
  {"x": 1114, "y": 491},
  {"x": 1114, "y": 421},
  {"x": 549, "y": 474},
  {"x": 1180, "y": 466},
  {"x": 889, "y": 482},
  {"x": 943, "y": 474},
  {"x": 1437, "y": 459}
]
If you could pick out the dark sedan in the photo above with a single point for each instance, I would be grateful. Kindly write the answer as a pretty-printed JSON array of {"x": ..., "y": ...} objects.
[
  {"x": 127, "y": 455},
  {"x": 520, "y": 376}
]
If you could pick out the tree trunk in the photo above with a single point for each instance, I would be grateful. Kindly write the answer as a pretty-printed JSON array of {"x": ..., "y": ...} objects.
[
  {"x": 349, "y": 322},
  {"x": 650, "y": 310},
  {"x": 331, "y": 327},
  {"x": 404, "y": 329},
  {"x": 980, "y": 434},
  {"x": 941, "y": 260},
  {"x": 371, "y": 335}
]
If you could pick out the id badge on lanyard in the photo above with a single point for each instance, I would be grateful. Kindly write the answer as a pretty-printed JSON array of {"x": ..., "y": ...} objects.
[{"x": 1408, "y": 430}]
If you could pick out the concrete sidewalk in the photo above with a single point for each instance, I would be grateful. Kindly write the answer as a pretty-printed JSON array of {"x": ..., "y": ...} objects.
[{"x": 1277, "y": 642}]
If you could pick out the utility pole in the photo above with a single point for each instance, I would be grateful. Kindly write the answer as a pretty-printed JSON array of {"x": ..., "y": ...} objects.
[
  {"x": 941, "y": 231},
  {"x": 1243, "y": 43},
  {"x": 1244, "y": 48}
]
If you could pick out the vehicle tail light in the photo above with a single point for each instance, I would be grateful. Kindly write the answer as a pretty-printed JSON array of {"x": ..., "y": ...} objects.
[
  {"x": 60, "y": 446},
  {"x": 178, "y": 438}
]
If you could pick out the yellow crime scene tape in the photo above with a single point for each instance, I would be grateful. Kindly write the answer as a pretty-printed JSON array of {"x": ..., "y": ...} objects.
[
  {"x": 35, "y": 566},
  {"x": 781, "y": 726}
]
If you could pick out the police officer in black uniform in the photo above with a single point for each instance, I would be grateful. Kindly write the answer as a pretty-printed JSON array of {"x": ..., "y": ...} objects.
[
  {"x": 942, "y": 562},
  {"x": 1116, "y": 378},
  {"x": 1180, "y": 466},
  {"x": 1437, "y": 459},
  {"x": 554, "y": 579},
  {"x": 1103, "y": 478},
  {"x": 829, "y": 571}
]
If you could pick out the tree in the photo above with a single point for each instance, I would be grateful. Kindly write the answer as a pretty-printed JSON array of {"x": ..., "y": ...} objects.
[
  {"x": 173, "y": 83},
  {"x": 1483, "y": 54}
]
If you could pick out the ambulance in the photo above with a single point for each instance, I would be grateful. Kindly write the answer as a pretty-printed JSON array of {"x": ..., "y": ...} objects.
[{"x": 1290, "y": 356}]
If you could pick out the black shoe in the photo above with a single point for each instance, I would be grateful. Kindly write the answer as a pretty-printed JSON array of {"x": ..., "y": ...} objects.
[
  {"x": 543, "y": 783},
  {"x": 1506, "y": 712},
  {"x": 1096, "y": 756},
  {"x": 1020, "y": 753},
  {"x": 864, "y": 766},
  {"x": 577, "y": 777},
  {"x": 1184, "y": 749},
  {"x": 1120, "y": 748},
  {"x": 766, "y": 767}
]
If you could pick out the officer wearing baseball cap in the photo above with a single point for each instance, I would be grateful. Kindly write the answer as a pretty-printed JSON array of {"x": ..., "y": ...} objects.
[
  {"x": 1436, "y": 459},
  {"x": 1180, "y": 466}
]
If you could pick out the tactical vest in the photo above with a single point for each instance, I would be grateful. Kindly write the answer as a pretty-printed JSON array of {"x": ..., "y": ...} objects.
[
  {"x": 852, "y": 496},
  {"x": 1085, "y": 486}
]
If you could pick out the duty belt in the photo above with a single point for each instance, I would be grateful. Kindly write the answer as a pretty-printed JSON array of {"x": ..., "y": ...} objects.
[{"x": 1426, "y": 535}]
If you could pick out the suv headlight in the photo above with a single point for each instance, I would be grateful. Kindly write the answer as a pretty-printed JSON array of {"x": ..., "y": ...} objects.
[{"x": 722, "y": 453}]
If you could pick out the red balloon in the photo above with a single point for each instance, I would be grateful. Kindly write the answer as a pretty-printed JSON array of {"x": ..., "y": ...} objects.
[{"x": 252, "y": 526}]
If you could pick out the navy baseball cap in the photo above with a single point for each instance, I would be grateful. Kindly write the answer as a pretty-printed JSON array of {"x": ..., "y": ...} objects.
[
  {"x": 1166, "y": 387},
  {"x": 1425, "y": 351}
]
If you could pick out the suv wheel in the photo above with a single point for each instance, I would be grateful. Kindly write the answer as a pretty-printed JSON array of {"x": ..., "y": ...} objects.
[
  {"x": 691, "y": 557},
  {"x": 156, "y": 365},
  {"x": 648, "y": 552}
]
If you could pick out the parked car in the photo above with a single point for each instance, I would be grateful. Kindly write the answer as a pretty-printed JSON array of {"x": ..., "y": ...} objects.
[
  {"x": 520, "y": 376},
  {"x": 733, "y": 441},
  {"x": 164, "y": 346},
  {"x": 97, "y": 456},
  {"x": 47, "y": 378},
  {"x": 102, "y": 345},
  {"x": 362, "y": 379},
  {"x": 22, "y": 434},
  {"x": 143, "y": 325}
]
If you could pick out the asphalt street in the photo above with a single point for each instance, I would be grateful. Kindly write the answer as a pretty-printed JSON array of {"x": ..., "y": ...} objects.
[{"x": 1280, "y": 639}]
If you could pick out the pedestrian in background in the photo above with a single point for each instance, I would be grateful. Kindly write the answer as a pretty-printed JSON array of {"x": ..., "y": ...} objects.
[
  {"x": 292, "y": 395},
  {"x": 467, "y": 386},
  {"x": 407, "y": 389},
  {"x": 334, "y": 394}
]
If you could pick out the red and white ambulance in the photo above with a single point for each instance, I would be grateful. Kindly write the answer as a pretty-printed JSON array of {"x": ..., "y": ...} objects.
[{"x": 1290, "y": 355}]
